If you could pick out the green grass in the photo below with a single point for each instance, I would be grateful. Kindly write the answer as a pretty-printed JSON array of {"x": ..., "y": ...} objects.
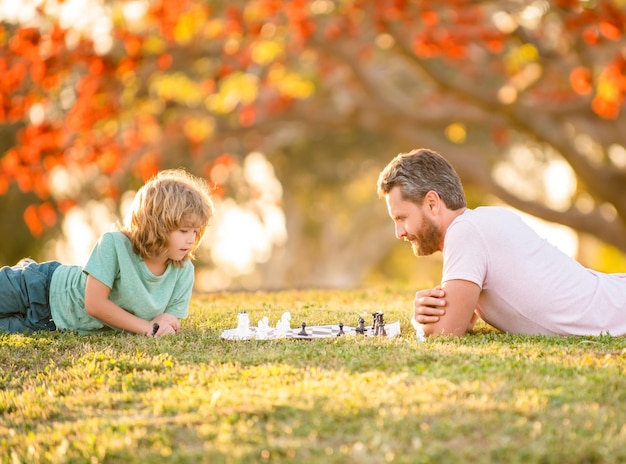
[{"x": 489, "y": 397}]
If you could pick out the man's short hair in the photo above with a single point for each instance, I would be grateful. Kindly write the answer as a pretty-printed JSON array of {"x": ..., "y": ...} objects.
[{"x": 417, "y": 173}]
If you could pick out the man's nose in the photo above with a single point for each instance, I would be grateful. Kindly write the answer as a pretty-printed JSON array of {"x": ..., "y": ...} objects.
[{"x": 400, "y": 231}]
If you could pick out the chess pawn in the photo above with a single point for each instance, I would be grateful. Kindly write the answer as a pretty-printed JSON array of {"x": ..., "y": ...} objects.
[
  {"x": 263, "y": 329},
  {"x": 243, "y": 325},
  {"x": 286, "y": 320},
  {"x": 419, "y": 330},
  {"x": 282, "y": 327},
  {"x": 303, "y": 332},
  {"x": 361, "y": 327}
]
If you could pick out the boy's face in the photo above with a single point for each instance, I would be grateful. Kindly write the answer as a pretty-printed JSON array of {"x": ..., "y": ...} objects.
[{"x": 181, "y": 242}]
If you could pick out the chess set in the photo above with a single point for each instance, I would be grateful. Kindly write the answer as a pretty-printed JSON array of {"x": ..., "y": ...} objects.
[{"x": 283, "y": 329}]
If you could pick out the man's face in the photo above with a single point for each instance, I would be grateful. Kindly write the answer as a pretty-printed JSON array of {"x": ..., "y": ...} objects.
[{"x": 414, "y": 224}]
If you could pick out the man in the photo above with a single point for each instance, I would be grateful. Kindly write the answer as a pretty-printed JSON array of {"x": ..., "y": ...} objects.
[{"x": 494, "y": 265}]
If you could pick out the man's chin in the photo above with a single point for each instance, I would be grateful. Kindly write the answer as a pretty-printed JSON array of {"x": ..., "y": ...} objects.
[{"x": 417, "y": 251}]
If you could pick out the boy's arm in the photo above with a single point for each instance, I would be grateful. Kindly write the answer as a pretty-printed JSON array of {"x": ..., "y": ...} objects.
[
  {"x": 459, "y": 297},
  {"x": 98, "y": 305}
]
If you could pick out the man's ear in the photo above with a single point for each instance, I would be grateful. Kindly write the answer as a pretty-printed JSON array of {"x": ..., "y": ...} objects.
[{"x": 432, "y": 201}]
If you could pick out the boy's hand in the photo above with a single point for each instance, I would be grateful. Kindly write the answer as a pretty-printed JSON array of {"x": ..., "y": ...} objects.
[
  {"x": 429, "y": 305},
  {"x": 168, "y": 325}
]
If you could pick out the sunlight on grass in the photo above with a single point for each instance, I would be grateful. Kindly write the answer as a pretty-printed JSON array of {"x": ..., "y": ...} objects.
[{"x": 198, "y": 398}]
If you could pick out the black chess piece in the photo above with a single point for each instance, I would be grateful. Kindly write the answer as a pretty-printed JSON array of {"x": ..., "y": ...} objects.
[
  {"x": 341, "y": 332},
  {"x": 303, "y": 331},
  {"x": 361, "y": 327},
  {"x": 375, "y": 323},
  {"x": 379, "y": 324}
]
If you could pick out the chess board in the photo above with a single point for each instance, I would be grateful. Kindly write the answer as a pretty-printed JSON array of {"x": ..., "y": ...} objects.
[{"x": 313, "y": 332}]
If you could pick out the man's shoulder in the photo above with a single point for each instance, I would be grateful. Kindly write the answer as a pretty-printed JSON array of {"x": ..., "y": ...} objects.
[
  {"x": 488, "y": 216},
  {"x": 486, "y": 223},
  {"x": 488, "y": 212}
]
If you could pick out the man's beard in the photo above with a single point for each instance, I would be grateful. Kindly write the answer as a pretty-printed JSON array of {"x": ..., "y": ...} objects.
[{"x": 427, "y": 240}]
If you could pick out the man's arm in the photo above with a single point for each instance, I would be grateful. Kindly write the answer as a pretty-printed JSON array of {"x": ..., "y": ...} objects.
[
  {"x": 459, "y": 297},
  {"x": 429, "y": 305}
]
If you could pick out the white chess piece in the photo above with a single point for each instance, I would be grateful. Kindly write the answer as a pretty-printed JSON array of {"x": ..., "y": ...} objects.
[
  {"x": 263, "y": 329},
  {"x": 282, "y": 325},
  {"x": 243, "y": 325},
  {"x": 286, "y": 320},
  {"x": 419, "y": 330}
]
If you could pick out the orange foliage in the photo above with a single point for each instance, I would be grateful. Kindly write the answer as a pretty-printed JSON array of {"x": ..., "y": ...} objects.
[
  {"x": 247, "y": 115},
  {"x": 609, "y": 102},
  {"x": 109, "y": 160},
  {"x": 166, "y": 14},
  {"x": 429, "y": 18},
  {"x": 610, "y": 30},
  {"x": 32, "y": 220},
  {"x": 164, "y": 61},
  {"x": 104, "y": 112},
  {"x": 40, "y": 217},
  {"x": 580, "y": 79},
  {"x": 132, "y": 44},
  {"x": 4, "y": 184},
  {"x": 591, "y": 36},
  {"x": 147, "y": 166}
]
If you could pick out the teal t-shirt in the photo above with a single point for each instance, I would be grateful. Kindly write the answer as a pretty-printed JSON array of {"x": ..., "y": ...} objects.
[{"x": 133, "y": 287}]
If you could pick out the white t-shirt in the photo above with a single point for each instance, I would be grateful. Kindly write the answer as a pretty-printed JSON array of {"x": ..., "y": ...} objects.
[{"x": 527, "y": 285}]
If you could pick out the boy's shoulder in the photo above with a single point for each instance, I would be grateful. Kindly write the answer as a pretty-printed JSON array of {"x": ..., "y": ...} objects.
[
  {"x": 115, "y": 235},
  {"x": 115, "y": 238},
  {"x": 112, "y": 245}
]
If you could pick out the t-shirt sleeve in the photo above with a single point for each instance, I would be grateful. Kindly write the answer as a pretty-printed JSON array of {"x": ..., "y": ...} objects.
[
  {"x": 464, "y": 254},
  {"x": 179, "y": 303},
  {"x": 102, "y": 262}
]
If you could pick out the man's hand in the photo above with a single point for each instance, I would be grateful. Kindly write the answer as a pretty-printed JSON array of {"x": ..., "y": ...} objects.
[
  {"x": 429, "y": 305},
  {"x": 460, "y": 298}
]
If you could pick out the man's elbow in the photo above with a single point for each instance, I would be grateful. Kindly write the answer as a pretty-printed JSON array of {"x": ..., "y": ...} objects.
[{"x": 438, "y": 329}]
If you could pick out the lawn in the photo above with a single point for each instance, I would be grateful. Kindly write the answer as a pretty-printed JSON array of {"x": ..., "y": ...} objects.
[{"x": 192, "y": 398}]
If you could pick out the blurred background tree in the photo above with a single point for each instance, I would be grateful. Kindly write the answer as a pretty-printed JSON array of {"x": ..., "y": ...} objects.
[{"x": 291, "y": 108}]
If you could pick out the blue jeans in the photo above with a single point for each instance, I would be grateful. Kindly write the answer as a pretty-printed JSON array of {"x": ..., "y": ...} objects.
[{"x": 24, "y": 290}]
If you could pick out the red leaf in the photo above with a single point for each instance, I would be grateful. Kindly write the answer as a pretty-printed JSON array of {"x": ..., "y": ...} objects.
[
  {"x": 47, "y": 214},
  {"x": 610, "y": 30},
  {"x": 580, "y": 80},
  {"x": 31, "y": 218},
  {"x": 164, "y": 61},
  {"x": 429, "y": 18},
  {"x": 38, "y": 70}
]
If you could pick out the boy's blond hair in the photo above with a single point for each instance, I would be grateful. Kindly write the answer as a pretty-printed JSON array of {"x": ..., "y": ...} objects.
[{"x": 171, "y": 200}]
